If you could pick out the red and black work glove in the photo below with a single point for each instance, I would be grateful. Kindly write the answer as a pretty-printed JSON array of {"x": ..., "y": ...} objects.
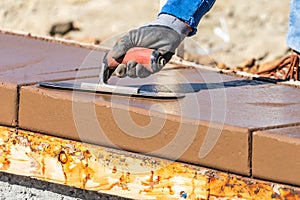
[{"x": 164, "y": 34}]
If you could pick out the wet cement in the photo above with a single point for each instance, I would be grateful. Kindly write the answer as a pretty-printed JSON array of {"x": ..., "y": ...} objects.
[
  {"x": 209, "y": 96},
  {"x": 213, "y": 97},
  {"x": 25, "y": 60}
]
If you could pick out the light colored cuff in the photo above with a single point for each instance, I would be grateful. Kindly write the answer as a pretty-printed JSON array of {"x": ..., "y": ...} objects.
[{"x": 172, "y": 22}]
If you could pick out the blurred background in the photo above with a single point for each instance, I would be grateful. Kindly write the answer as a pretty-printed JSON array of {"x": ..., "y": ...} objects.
[{"x": 231, "y": 33}]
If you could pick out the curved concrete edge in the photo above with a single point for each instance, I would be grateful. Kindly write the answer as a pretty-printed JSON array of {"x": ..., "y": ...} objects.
[{"x": 129, "y": 175}]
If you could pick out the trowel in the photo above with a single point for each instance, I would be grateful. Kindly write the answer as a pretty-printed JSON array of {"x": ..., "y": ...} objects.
[{"x": 143, "y": 56}]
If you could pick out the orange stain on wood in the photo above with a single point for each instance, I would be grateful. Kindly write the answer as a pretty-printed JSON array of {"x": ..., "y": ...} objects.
[{"x": 102, "y": 169}]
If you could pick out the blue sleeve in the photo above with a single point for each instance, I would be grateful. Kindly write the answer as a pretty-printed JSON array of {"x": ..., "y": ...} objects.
[{"x": 190, "y": 11}]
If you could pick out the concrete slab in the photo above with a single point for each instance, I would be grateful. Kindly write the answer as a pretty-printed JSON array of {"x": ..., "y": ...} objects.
[
  {"x": 25, "y": 60},
  {"x": 8, "y": 104},
  {"x": 210, "y": 126},
  {"x": 276, "y": 155},
  {"x": 217, "y": 97},
  {"x": 95, "y": 120}
]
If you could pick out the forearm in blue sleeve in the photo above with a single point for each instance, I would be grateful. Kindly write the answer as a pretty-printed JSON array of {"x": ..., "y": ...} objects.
[
  {"x": 190, "y": 11},
  {"x": 293, "y": 37}
]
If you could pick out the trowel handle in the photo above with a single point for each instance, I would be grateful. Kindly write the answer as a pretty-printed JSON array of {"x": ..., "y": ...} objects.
[
  {"x": 138, "y": 54},
  {"x": 144, "y": 56}
]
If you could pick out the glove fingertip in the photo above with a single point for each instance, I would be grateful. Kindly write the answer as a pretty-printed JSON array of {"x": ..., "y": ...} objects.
[
  {"x": 131, "y": 69},
  {"x": 121, "y": 70},
  {"x": 142, "y": 72}
]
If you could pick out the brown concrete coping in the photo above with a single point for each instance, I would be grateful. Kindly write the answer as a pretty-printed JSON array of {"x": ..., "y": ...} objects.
[
  {"x": 8, "y": 103},
  {"x": 217, "y": 97},
  {"x": 217, "y": 109},
  {"x": 25, "y": 60},
  {"x": 95, "y": 120},
  {"x": 276, "y": 155}
]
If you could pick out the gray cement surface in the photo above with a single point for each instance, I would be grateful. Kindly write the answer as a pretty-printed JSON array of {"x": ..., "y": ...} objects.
[{"x": 14, "y": 187}]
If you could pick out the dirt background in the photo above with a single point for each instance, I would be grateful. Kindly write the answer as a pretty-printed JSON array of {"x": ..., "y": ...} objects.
[{"x": 232, "y": 32}]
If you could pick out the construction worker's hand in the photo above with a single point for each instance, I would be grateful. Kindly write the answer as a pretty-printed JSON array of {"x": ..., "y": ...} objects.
[{"x": 164, "y": 34}]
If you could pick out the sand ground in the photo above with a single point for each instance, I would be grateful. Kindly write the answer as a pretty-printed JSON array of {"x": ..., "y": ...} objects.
[{"x": 230, "y": 33}]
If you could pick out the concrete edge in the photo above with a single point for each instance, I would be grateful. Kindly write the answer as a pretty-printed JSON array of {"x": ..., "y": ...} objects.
[{"x": 51, "y": 39}]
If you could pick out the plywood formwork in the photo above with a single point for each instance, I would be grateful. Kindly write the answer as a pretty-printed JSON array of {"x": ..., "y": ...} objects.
[{"x": 121, "y": 173}]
